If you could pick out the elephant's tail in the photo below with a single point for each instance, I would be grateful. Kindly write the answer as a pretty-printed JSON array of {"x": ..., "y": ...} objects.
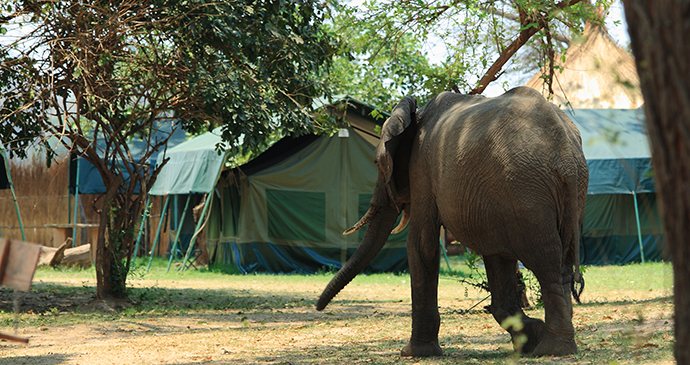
[
  {"x": 576, "y": 292},
  {"x": 576, "y": 193},
  {"x": 571, "y": 240}
]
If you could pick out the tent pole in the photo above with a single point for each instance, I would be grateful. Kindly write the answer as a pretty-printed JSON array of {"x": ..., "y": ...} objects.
[
  {"x": 639, "y": 230},
  {"x": 158, "y": 233},
  {"x": 141, "y": 230},
  {"x": 76, "y": 201},
  {"x": 14, "y": 196},
  {"x": 69, "y": 206},
  {"x": 196, "y": 230},
  {"x": 179, "y": 230},
  {"x": 201, "y": 217}
]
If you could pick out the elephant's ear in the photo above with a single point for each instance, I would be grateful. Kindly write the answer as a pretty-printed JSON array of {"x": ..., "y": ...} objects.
[{"x": 402, "y": 116}]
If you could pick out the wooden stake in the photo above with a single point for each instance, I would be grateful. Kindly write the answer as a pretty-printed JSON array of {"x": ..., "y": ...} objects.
[{"x": 5, "y": 336}]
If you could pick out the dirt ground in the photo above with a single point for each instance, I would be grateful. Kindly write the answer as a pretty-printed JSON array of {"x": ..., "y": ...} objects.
[{"x": 363, "y": 325}]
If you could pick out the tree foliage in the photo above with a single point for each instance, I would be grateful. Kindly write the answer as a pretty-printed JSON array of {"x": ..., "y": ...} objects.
[
  {"x": 472, "y": 43},
  {"x": 99, "y": 74},
  {"x": 373, "y": 71}
]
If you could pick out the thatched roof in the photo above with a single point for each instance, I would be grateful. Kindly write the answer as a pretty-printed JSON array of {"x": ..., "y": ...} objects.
[{"x": 597, "y": 74}]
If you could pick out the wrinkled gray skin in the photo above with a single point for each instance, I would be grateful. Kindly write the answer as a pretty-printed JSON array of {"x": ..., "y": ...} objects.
[{"x": 507, "y": 176}]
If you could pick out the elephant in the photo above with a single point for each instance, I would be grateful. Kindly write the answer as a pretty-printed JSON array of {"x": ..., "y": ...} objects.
[{"x": 508, "y": 177}]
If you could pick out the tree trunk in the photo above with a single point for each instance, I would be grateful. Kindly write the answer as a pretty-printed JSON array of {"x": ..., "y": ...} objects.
[
  {"x": 105, "y": 285},
  {"x": 119, "y": 216},
  {"x": 658, "y": 33}
]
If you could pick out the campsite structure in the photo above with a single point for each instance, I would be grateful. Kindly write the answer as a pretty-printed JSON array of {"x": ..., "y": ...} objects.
[
  {"x": 594, "y": 73},
  {"x": 621, "y": 223},
  {"x": 285, "y": 210}
]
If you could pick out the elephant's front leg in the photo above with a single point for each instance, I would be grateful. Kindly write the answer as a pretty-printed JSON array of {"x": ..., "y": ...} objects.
[{"x": 423, "y": 256}]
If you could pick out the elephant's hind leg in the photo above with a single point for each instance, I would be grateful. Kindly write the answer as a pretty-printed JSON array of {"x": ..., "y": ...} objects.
[
  {"x": 505, "y": 302},
  {"x": 559, "y": 336}
]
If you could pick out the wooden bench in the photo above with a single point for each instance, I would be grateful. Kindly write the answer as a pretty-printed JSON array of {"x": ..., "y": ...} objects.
[{"x": 63, "y": 231}]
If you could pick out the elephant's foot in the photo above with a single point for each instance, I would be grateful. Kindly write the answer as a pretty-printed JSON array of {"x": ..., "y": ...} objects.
[
  {"x": 422, "y": 349},
  {"x": 555, "y": 345},
  {"x": 534, "y": 330}
]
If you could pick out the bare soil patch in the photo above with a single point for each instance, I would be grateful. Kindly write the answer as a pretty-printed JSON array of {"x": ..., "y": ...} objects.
[{"x": 271, "y": 320}]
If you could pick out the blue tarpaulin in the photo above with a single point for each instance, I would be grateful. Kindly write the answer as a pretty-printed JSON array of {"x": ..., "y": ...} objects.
[{"x": 90, "y": 181}]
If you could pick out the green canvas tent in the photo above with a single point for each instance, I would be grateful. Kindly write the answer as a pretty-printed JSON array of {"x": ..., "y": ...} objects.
[
  {"x": 285, "y": 210},
  {"x": 191, "y": 169}
]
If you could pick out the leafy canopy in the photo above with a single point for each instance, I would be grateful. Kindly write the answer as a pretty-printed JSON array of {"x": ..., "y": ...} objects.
[
  {"x": 250, "y": 67},
  {"x": 390, "y": 45},
  {"x": 98, "y": 74}
]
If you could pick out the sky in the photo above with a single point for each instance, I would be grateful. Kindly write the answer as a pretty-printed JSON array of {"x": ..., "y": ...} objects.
[{"x": 618, "y": 32}]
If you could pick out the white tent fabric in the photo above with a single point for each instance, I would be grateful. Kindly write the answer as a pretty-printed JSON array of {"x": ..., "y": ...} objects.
[{"x": 192, "y": 166}]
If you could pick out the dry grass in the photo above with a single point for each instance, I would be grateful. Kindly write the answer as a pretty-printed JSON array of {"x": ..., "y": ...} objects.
[{"x": 214, "y": 318}]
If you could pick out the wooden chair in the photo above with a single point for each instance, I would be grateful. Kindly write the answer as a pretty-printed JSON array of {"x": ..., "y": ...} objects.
[{"x": 18, "y": 261}]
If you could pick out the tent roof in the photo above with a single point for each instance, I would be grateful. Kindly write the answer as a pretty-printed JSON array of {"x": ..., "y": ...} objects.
[
  {"x": 597, "y": 73},
  {"x": 194, "y": 164},
  {"x": 278, "y": 152},
  {"x": 90, "y": 181},
  {"x": 138, "y": 147},
  {"x": 612, "y": 133},
  {"x": 356, "y": 113},
  {"x": 617, "y": 150}
]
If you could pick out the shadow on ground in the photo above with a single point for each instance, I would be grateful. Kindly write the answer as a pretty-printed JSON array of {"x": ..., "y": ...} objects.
[{"x": 48, "y": 359}]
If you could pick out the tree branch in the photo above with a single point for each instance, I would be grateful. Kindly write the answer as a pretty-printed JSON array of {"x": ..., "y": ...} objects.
[
  {"x": 530, "y": 27},
  {"x": 503, "y": 14}
]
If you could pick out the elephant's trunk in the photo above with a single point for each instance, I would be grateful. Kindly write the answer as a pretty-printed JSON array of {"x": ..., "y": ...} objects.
[{"x": 377, "y": 233}]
